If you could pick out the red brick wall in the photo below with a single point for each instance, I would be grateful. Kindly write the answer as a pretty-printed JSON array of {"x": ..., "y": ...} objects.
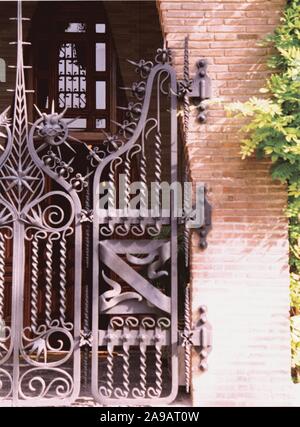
[{"x": 243, "y": 275}]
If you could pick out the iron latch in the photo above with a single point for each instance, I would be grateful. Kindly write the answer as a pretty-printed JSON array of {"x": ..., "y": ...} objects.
[
  {"x": 198, "y": 217},
  {"x": 199, "y": 337}
]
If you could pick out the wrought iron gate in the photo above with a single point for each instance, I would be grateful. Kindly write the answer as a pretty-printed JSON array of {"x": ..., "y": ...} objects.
[{"x": 135, "y": 334}]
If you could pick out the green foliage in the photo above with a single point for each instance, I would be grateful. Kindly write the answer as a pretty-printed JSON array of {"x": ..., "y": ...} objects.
[{"x": 273, "y": 131}]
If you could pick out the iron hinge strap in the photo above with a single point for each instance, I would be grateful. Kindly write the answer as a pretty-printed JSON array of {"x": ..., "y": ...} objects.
[{"x": 198, "y": 337}]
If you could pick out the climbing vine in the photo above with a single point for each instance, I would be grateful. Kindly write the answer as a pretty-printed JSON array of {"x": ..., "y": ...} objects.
[{"x": 273, "y": 131}]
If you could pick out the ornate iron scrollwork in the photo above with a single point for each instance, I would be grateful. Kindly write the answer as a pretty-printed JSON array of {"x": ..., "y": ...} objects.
[
  {"x": 39, "y": 357},
  {"x": 135, "y": 274}
]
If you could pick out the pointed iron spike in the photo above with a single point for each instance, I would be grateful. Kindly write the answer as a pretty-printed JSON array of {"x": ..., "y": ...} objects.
[
  {"x": 71, "y": 120},
  {"x": 132, "y": 62},
  {"x": 75, "y": 139},
  {"x": 3, "y": 136},
  {"x": 88, "y": 175},
  {"x": 59, "y": 151},
  {"x": 125, "y": 88},
  {"x": 5, "y": 111},
  {"x": 117, "y": 123},
  {"x": 23, "y": 43},
  {"x": 61, "y": 115},
  {"x": 52, "y": 107},
  {"x": 70, "y": 161},
  {"x": 104, "y": 133},
  {"x": 24, "y": 66},
  {"x": 23, "y": 19},
  {"x": 38, "y": 110},
  {"x": 69, "y": 146},
  {"x": 41, "y": 147},
  {"x": 122, "y": 108}
]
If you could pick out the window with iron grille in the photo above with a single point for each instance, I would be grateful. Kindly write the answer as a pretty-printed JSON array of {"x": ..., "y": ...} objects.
[{"x": 74, "y": 64}]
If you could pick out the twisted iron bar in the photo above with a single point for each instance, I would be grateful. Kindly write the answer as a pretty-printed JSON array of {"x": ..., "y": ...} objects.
[
  {"x": 187, "y": 207},
  {"x": 126, "y": 355},
  {"x": 188, "y": 345},
  {"x": 110, "y": 369},
  {"x": 2, "y": 274},
  {"x": 63, "y": 279},
  {"x": 87, "y": 229},
  {"x": 158, "y": 367},
  {"x": 48, "y": 272},
  {"x": 143, "y": 368},
  {"x": 157, "y": 150},
  {"x": 143, "y": 175},
  {"x": 127, "y": 182},
  {"x": 108, "y": 390},
  {"x": 186, "y": 77},
  {"x": 86, "y": 350},
  {"x": 145, "y": 323},
  {"x": 111, "y": 189},
  {"x": 34, "y": 282}
]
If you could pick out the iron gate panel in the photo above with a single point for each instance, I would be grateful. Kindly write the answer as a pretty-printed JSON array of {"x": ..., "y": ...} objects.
[
  {"x": 134, "y": 251},
  {"x": 39, "y": 358},
  {"x": 141, "y": 332}
]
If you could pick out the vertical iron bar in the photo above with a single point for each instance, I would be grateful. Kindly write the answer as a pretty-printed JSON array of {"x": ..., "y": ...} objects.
[
  {"x": 63, "y": 278},
  {"x": 126, "y": 356},
  {"x": 174, "y": 241},
  {"x": 187, "y": 348},
  {"x": 2, "y": 275},
  {"x": 34, "y": 282},
  {"x": 86, "y": 350},
  {"x": 48, "y": 272},
  {"x": 186, "y": 77},
  {"x": 20, "y": 132},
  {"x": 18, "y": 301}
]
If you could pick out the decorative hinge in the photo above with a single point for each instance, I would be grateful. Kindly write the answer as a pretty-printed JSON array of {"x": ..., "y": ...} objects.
[
  {"x": 206, "y": 224},
  {"x": 202, "y": 338},
  {"x": 194, "y": 91},
  {"x": 199, "y": 218},
  {"x": 200, "y": 89},
  {"x": 198, "y": 337}
]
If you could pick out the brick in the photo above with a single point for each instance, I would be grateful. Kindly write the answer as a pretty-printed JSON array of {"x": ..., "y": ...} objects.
[
  {"x": 226, "y": 29},
  {"x": 242, "y": 277}
]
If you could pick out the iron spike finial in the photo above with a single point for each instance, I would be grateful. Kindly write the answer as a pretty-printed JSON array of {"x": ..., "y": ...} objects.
[
  {"x": 38, "y": 110},
  {"x": 61, "y": 115}
]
